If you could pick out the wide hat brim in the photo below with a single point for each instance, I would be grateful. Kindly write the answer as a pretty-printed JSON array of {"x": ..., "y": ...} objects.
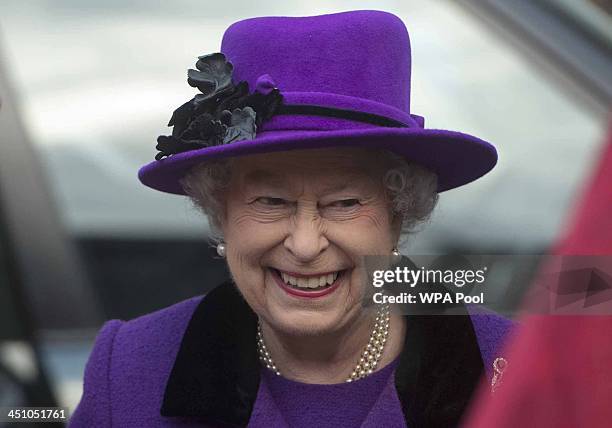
[{"x": 456, "y": 158}]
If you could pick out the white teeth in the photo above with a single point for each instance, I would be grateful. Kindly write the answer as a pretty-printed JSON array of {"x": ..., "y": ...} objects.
[{"x": 310, "y": 282}]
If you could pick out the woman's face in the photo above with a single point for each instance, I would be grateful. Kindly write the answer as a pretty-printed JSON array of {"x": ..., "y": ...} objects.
[{"x": 296, "y": 227}]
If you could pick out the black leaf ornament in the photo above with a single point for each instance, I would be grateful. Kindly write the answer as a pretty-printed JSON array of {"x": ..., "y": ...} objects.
[{"x": 213, "y": 75}]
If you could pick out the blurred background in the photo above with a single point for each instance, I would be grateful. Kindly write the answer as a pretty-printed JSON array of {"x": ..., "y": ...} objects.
[{"x": 87, "y": 86}]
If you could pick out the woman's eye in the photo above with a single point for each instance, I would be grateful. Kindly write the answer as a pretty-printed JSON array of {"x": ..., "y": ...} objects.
[
  {"x": 345, "y": 203},
  {"x": 266, "y": 200}
]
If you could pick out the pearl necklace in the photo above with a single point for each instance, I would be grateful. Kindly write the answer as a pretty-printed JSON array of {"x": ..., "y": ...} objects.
[{"x": 370, "y": 356}]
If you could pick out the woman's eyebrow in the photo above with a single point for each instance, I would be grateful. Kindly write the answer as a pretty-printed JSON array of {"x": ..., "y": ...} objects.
[
  {"x": 263, "y": 177},
  {"x": 336, "y": 187},
  {"x": 349, "y": 181},
  {"x": 268, "y": 178}
]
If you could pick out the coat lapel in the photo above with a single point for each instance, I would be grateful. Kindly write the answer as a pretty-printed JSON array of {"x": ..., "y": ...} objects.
[
  {"x": 439, "y": 369},
  {"x": 215, "y": 376}
]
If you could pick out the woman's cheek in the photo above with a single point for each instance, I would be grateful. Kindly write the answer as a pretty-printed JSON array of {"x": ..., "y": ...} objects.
[{"x": 369, "y": 241}]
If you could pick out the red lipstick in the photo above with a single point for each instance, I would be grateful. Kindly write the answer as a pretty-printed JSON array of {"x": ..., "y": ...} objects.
[{"x": 309, "y": 294}]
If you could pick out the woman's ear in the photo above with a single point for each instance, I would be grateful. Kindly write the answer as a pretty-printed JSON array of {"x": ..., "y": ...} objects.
[
  {"x": 396, "y": 226},
  {"x": 220, "y": 225}
]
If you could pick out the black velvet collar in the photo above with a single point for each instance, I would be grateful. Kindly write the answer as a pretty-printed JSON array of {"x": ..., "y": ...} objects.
[{"x": 216, "y": 373}]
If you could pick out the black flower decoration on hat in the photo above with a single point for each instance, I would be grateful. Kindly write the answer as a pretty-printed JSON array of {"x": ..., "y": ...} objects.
[{"x": 223, "y": 113}]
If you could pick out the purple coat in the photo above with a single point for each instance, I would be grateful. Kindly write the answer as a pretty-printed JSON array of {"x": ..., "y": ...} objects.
[{"x": 195, "y": 364}]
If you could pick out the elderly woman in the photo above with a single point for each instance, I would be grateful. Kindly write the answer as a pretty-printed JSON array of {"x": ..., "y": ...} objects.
[{"x": 317, "y": 166}]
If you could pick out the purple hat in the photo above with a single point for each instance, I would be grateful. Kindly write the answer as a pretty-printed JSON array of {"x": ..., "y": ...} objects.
[{"x": 338, "y": 80}]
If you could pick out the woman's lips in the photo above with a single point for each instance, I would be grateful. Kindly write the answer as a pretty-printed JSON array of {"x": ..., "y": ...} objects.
[{"x": 323, "y": 291}]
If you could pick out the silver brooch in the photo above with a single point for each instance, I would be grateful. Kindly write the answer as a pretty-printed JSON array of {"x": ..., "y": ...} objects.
[{"x": 499, "y": 365}]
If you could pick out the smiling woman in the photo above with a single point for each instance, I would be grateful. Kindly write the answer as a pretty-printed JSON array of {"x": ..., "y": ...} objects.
[
  {"x": 300, "y": 179},
  {"x": 296, "y": 226}
]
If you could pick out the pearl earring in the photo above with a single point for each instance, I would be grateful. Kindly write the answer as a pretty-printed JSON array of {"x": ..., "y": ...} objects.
[
  {"x": 221, "y": 250},
  {"x": 396, "y": 252}
]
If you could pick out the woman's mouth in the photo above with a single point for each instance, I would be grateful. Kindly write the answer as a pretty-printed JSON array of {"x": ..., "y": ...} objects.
[{"x": 308, "y": 285}]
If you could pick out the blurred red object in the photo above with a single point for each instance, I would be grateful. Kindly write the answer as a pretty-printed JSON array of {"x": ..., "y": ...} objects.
[
  {"x": 590, "y": 228},
  {"x": 560, "y": 367}
]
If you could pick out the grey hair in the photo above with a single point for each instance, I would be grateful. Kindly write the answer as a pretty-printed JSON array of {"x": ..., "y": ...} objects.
[
  {"x": 205, "y": 185},
  {"x": 411, "y": 191}
]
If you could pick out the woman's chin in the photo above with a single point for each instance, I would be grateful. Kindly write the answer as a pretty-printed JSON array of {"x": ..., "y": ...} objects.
[
  {"x": 297, "y": 321},
  {"x": 304, "y": 324}
]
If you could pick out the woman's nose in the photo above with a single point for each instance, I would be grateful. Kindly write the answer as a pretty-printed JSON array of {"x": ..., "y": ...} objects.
[{"x": 306, "y": 240}]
